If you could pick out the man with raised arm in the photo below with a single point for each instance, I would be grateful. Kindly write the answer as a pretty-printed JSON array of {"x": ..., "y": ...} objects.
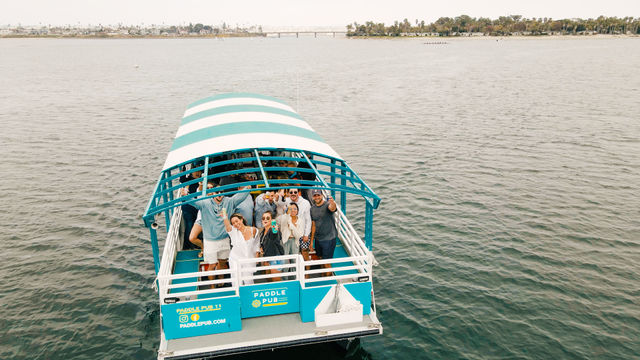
[
  {"x": 216, "y": 244},
  {"x": 323, "y": 226}
]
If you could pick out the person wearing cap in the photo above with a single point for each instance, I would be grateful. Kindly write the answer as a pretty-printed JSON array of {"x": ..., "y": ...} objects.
[{"x": 323, "y": 226}]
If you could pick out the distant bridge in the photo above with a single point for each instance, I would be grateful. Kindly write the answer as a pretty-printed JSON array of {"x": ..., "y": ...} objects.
[{"x": 297, "y": 33}]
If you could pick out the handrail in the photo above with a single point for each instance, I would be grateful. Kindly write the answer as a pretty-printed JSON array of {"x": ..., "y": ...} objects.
[
  {"x": 334, "y": 277},
  {"x": 169, "y": 251},
  {"x": 341, "y": 268},
  {"x": 334, "y": 260},
  {"x": 197, "y": 273},
  {"x": 242, "y": 270}
]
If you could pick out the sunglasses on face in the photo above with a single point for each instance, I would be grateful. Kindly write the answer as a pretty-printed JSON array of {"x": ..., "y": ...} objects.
[
  {"x": 266, "y": 218},
  {"x": 293, "y": 192}
]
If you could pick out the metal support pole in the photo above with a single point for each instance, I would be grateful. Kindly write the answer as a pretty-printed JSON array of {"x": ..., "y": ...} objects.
[
  {"x": 343, "y": 194},
  {"x": 154, "y": 248},
  {"x": 206, "y": 176},
  {"x": 368, "y": 226},
  {"x": 333, "y": 178},
  {"x": 167, "y": 217},
  {"x": 171, "y": 199},
  {"x": 264, "y": 175}
]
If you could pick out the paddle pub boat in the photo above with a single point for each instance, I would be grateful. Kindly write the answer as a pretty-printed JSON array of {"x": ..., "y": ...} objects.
[{"x": 241, "y": 133}]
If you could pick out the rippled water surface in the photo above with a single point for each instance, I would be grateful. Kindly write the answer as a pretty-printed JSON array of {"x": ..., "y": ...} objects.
[{"x": 509, "y": 172}]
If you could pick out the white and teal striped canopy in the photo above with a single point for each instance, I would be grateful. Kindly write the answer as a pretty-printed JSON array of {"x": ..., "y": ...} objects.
[{"x": 236, "y": 121}]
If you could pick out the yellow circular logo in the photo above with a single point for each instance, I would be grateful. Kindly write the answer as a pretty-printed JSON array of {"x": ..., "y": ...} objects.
[
  {"x": 195, "y": 317},
  {"x": 256, "y": 303}
]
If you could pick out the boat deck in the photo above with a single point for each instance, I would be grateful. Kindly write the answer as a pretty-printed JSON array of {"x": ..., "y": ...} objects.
[{"x": 263, "y": 333}]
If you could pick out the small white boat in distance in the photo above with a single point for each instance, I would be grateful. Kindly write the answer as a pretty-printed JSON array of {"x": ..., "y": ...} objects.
[{"x": 232, "y": 135}]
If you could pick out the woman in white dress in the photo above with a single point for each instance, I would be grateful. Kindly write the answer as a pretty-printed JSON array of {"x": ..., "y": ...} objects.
[{"x": 245, "y": 243}]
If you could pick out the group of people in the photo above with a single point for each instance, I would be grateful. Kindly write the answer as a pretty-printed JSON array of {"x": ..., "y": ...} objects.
[{"x": 253, "y": 224}]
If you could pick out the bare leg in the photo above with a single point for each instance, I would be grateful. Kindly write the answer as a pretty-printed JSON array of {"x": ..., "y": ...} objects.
[
  {"x": 212, "y": 267},
  {"x": 224, "y": 264},
  {"x": 326, "y": 266},
  {"x": 193, "y": 237},
  {"x": 306, "y": 257},
  {"x": 274, "y": 271}
]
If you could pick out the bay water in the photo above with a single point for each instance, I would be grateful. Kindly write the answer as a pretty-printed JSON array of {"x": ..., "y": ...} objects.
[{"x": 509, "y": 172}]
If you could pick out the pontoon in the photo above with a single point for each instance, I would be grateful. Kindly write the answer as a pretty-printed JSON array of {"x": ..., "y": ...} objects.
[{"x": 233, "y": 134}]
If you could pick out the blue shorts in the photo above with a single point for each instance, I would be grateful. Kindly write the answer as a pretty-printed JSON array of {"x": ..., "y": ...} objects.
[{"x": 324, "y": 249}]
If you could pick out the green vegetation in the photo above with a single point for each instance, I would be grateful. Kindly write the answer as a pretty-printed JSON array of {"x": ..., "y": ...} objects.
[{"x": 465, "y": 25}]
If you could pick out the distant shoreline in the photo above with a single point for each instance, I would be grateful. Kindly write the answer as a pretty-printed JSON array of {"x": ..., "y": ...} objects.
[
  {"x": 501, "y": 37},
  {"x": 120, "y": 36},
  {"x": 361, "y": 37}
]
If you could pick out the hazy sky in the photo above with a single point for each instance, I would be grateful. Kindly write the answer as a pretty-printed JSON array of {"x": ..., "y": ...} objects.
[{"x": 275, "y": 13}]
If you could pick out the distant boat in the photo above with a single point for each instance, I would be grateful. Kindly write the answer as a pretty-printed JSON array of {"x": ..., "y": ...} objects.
[{"x": 232, "y": 134}]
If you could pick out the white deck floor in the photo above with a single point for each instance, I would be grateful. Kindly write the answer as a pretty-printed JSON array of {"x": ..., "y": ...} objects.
[{"x": 267, "y": 332}]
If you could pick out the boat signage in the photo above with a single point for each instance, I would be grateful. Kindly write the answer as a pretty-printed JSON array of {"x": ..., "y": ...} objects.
[
  {"x": 204, "y": 317},
  {"x": 270, "y": 299}
]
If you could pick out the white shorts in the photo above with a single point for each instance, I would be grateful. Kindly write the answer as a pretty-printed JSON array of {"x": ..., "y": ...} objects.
[{"x": 216, "y": 249}]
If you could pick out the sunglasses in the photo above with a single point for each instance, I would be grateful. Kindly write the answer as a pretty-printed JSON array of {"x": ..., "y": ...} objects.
[
  {"x": 293, "y": 192},
  {"x": 266, "y": 218}
]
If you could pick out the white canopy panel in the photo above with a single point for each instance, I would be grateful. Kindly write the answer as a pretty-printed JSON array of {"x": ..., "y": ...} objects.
[{"x": 236, "y": 121}]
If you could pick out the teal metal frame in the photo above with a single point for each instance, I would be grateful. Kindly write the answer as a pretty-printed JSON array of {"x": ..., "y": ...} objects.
[{"x": 316, "y": 166}]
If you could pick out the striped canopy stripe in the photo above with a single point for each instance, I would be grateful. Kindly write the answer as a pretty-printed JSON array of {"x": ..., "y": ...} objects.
[
  {"x": 236, "y": 121},
  {"x": 234, "y": 96}
]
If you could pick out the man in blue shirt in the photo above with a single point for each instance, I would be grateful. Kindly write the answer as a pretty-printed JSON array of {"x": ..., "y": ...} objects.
[{"x": 216, "y": 244}]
